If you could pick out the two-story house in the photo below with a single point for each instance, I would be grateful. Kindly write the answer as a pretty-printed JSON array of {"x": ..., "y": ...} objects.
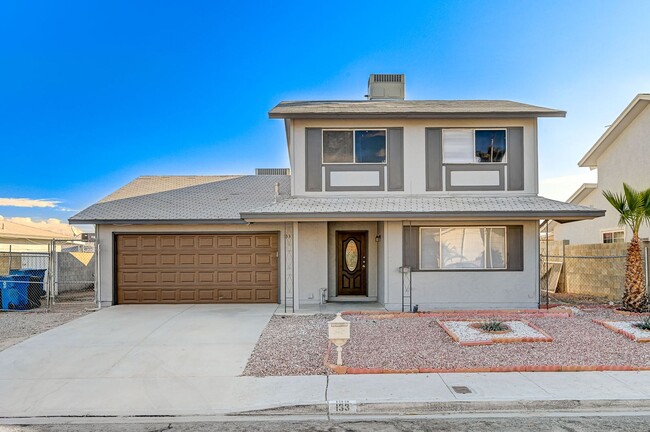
[
  {"x": 395, "y": 201},
  {"x": 620, "y": 155}
]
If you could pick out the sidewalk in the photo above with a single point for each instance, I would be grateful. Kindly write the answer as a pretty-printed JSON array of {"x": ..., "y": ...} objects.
[{"x": 309, "y": 395}]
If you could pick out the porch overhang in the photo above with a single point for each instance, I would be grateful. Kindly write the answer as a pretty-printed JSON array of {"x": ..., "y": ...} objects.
[{"x": 421, "y": 208}]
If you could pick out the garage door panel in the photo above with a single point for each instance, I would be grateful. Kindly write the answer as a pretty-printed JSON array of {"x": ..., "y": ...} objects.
[
  {"x": 168, "y": 295},
  {"x": 206, "y": 268},
  {"x": 244, "y": 259},
  {"x": 263, "y": 295},
  {"x": 186, "y": 259},
  {"x": 150, "y": 242}
]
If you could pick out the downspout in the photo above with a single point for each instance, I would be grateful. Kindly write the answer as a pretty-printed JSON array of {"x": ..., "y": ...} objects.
[{"x": 98, "y": 267}]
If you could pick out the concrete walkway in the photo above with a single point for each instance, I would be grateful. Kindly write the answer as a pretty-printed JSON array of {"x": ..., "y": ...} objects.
[{"x": 186, "y": 361}]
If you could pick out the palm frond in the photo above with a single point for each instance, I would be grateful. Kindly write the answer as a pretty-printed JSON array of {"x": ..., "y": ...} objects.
[{"x": 619, "y": 202}]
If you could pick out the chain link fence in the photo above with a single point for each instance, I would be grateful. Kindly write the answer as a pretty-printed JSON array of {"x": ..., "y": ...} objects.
[
  {"x": 594, "y": 270},
  {"x": 598, "y": 276},
  {"x": 62, "y": 278}
]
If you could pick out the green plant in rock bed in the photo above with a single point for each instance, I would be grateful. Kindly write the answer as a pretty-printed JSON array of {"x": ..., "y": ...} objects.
[
  {"x": 644, "y": 324},
  {"x": 493, "y": 326}
]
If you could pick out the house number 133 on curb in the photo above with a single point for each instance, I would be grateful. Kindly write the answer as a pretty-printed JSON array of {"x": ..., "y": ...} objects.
[{"x": 343, "y": 407}]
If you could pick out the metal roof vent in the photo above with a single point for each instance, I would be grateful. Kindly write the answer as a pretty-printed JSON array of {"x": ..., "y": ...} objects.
[
  {"x": 386, "y": 86},
  {"x": 272, "y": 171}
]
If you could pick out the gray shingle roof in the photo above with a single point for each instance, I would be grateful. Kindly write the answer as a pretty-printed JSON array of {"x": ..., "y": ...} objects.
[
  {"x": 411, "y": 109},
  {"x": 525, "y": 207},
  {"x": 184, "y": 199},
  {"x": 234, "y": 199}
]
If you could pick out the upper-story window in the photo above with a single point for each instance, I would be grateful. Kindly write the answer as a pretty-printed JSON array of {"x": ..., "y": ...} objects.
[
  {"x": 473, "y": 145},
  {"x": 354, "y": 146}
]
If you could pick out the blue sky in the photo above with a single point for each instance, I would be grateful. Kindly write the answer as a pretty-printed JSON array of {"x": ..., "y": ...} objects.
[{"x": 94, "y": 94}]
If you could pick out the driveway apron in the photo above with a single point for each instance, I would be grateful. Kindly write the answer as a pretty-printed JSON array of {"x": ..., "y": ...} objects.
[{"x": 141, "y": 360}]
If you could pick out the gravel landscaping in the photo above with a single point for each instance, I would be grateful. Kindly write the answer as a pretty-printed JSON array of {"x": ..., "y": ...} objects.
[
  {"x": 17, "y": 326},
  {"x": 296, "y": 345}
]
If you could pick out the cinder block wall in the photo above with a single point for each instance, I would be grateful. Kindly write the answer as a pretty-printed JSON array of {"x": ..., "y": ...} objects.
[
  {"x": 595, "y": 269},
  {"x": 591, "y": 269},
  {"x": 74, "y": 275}
]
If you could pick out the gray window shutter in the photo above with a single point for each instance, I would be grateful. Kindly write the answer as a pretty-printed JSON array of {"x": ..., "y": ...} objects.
[
  {"x": 515, "y": 149},
  {"x": 313, "y": 160},
  {"x": 411, "y": 247},
  {"x": 396, "y": 159},
  {"x": 433, "y": 158},
  {"x": 516, "y": 247}
]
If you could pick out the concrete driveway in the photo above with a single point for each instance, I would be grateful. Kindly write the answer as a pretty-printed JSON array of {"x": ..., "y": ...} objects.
[{"x": 144, "y": 360}]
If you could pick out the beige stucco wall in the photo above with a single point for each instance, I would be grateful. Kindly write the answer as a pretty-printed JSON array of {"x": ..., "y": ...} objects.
[
  {"x": 466, "y": 289},
  {"x": 414, "y": 149},
  {"x": 311, "y": 261},
  {"x": 104, "y": 247},
  {"x": 626, "y": 160}
]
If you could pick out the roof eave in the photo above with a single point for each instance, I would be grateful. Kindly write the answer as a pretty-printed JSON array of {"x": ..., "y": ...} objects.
[
  {"x": 590, "y": 159},
  {"x": 565, "y": 216},
  {"x": 412, "y": 115},
  {"x": 156, "y": 221}
]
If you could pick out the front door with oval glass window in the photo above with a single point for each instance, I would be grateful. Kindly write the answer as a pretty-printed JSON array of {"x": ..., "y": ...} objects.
[{"x": 351, "y": 256}]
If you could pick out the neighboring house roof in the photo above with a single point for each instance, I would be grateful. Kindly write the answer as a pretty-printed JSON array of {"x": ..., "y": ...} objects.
[
  {"x": 410, "y": 109},
  {"x": 14, "y": 230},
  {"x": 628, "y": 115},
  {"x": 422, "y": 207},
  {"x": 582, "y": 193},
  {"x": 184, "y": 199}
]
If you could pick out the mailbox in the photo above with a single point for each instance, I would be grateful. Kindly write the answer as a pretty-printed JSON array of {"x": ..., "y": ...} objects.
[{"x": 338, "y": 332}]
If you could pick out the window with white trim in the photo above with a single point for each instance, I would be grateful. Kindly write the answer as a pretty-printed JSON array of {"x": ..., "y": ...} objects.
[
  {"x": 467, "y": 248},
  {"x": 354, "y": 146},
  {"x": 614, "y": 236},
  {"x": 474, "y": 145}
]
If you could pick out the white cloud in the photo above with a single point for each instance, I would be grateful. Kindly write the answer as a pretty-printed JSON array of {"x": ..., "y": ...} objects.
[
  {"x": 27, "y": 202},
  {"x": 561, "y": 188}
]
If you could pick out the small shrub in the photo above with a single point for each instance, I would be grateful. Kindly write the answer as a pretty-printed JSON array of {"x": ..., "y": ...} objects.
[
  {"x": 644, "y": 324},
  {"x": 493, "y": 326}
]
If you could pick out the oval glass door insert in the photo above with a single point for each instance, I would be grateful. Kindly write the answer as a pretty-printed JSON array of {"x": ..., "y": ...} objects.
[{"x": 351, "y": 255}]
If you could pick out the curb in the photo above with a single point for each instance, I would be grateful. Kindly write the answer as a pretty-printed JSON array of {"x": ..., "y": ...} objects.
[{"x": 451, "y": 407}]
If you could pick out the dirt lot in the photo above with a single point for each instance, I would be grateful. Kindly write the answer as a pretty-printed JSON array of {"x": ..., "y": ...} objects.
[{"x": 16, "y": 326}]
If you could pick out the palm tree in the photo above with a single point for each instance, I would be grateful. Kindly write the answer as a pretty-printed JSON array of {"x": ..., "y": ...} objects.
[{"x": 634, "y": 209}]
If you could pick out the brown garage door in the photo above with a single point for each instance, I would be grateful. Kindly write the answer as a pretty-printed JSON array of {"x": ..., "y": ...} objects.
[{"x": 197, "y": 268}]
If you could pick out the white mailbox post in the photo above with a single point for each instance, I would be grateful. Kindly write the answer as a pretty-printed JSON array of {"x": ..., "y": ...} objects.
[{"x": 339, "y": 334}]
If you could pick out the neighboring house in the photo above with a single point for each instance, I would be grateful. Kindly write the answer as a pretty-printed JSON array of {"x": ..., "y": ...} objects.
[
  {"x": 621, "y": 154},
  {"x": 384, "y": 194},
  {"x": 19, "y": 237}
]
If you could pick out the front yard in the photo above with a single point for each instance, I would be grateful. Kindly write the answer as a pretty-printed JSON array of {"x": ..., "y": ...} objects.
[{"x": 561, "y": 339}]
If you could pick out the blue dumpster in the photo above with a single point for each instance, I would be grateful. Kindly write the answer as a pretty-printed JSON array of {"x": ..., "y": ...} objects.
[{"x": 15, "y": 292}]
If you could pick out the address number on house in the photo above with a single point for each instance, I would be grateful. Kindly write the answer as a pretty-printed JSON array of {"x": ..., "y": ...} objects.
[{"x": 342, "y": 407}]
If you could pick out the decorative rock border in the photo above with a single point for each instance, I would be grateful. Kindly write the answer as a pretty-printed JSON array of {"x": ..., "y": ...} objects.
[
  {"x": 628, "y": 313},
  {"x": 476, "y": 313},
  {"x": 495, "y": 338},
  {"x": 625, "y": 328}
]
